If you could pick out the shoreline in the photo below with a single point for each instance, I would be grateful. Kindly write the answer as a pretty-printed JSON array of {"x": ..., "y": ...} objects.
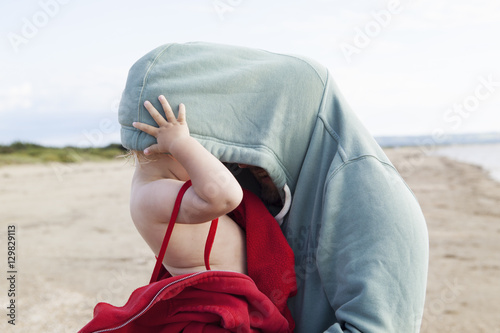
[
  {"x": 78, "y": 246},
  {"x": 486, "y": 156},
  {"x": 461, "y": 204}
]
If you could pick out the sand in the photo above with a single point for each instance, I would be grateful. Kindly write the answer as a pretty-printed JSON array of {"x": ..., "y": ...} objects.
[{"x": 76, "y": 244}]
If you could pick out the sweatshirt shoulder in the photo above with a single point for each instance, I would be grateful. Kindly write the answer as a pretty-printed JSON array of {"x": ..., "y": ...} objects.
[{"x": 367, "y": 173}]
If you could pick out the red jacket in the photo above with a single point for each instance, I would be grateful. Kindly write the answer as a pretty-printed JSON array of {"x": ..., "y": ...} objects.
[{"x": 216, "y": 301}]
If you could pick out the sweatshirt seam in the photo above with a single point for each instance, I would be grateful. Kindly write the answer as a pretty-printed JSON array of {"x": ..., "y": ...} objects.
[
  {"x": 306, "y": 62},
  {"x": 245, "y": 145},
  {"x": 335, "y": 137},
  {"x": 327, "y": 126},
  {"x": 296, "y": 57},
  {"x": 366, "y": 157}
]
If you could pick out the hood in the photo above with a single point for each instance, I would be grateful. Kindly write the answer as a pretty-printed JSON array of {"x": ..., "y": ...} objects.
[
  {"x": 237, "y": 100},
  {"x": 357, "y": 232}
]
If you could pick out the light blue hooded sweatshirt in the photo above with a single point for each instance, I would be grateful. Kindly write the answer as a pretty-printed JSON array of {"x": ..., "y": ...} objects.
[{"x": 358, "y": 234}]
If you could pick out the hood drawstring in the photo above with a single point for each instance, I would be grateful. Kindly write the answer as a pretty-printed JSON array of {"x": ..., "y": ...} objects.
[{"x": 286, "y": 205}]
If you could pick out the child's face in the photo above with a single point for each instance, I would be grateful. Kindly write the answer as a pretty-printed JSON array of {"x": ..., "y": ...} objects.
[{"x": 269, "y": 191}]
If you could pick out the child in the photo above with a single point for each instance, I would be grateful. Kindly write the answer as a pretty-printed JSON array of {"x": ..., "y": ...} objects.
[
  {"x": 160, "y": 173},
  {"x": 230, "y": 289}
]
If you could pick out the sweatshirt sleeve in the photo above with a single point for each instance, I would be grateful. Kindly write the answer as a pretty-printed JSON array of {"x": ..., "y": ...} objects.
[{"x": 373, "y": 249}]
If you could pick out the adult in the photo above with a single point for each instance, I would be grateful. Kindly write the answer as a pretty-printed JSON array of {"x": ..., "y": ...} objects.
[{"x": 356, "y": 229}]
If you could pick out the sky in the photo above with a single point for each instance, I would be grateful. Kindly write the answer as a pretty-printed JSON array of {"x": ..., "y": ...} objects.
[{"x": 405, "y": 67}]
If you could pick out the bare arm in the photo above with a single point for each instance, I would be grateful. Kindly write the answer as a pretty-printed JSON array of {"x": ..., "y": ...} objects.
[{"x": 215, "y": 191}]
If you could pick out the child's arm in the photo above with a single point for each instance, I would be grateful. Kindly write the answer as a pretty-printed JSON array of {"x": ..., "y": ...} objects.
[{"x": 215, "y": 191}]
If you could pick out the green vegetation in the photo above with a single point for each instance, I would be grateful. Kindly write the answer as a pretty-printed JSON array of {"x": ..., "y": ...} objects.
[{"x": 21, "y": 152}]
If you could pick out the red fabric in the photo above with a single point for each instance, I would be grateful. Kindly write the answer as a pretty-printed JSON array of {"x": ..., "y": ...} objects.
[
  {"x": 216, "y": 301},
  {"x": 270, "y": 260},
  {"x": 210, "y": 301}
]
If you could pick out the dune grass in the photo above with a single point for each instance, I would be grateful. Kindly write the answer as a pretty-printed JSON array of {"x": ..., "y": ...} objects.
[{"x": 22, "y": 153}]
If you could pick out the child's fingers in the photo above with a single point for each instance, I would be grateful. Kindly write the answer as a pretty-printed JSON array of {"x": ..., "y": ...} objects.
[
  {"x": 182, "y": 113},
  {"x": 166, "y": 107},
  {"x": 158, "y": 118},
  {"x": 152, "y": 149},
  {"x": 151, "y": 130}
]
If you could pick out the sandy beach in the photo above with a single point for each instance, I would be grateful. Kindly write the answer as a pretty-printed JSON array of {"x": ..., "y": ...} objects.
[{"x": 76, "y": 244}]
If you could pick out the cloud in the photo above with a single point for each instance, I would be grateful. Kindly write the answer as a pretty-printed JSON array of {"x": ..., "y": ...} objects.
[{"x": 429, "y": 53}]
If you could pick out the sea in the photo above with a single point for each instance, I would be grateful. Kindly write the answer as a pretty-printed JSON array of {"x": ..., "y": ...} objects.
[
  {"x": 486, "y": 156},
  {"x": 481, "y": 149}
]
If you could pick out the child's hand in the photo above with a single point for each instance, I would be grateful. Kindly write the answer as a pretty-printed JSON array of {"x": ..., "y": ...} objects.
[{"x": 169, "y": 131}]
